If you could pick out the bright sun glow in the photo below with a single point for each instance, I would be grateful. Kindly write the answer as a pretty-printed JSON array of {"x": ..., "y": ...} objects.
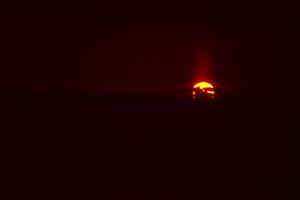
[{"x": 205, "y": 87}]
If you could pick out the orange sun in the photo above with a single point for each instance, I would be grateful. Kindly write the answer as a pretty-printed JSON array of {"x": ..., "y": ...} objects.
[{"x": 205, "y": 87}]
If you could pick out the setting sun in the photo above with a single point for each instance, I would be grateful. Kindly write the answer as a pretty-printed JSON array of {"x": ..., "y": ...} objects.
[
  {"x": 205, "y": 88},
  {"x": 203, "y": 85}
]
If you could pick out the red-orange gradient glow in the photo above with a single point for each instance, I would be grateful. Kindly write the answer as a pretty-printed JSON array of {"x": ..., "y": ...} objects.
[{"x": 203, "y": 63}]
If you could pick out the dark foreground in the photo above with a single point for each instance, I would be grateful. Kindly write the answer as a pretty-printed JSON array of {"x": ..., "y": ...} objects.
[{"x": 235, "y": 148}]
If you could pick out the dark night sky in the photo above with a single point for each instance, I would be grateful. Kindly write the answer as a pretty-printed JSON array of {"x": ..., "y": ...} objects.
[{"x": 90, "y": 47}]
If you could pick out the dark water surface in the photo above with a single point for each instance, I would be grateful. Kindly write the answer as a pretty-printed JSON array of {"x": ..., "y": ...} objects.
[{"x": 244, "y": 148}]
